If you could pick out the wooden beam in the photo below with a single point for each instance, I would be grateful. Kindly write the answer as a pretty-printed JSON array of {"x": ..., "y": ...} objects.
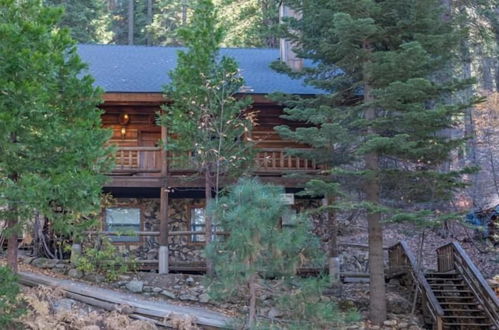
[
  {"x": 105, "y": 297},
  {"x": 158, "y": 98},
  {"x": 134, "y": 98},
  {"x": 134, "y": 182},
  {"x": 193, "y": 181}
]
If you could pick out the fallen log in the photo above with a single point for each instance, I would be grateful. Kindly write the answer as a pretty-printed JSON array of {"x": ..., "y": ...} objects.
[{"x": 130, "y": 304}]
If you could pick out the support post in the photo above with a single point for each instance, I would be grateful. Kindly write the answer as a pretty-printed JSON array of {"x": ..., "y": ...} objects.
[
  {"x": 163, "y": 210},
  {"x": 75, "y": 253},
  {"x": 333, "y": 255}
]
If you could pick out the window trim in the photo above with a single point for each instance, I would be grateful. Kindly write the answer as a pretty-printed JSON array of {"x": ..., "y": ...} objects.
[
  {"x": 200, "y": 205},
  {"x": 105, "y": 227}
]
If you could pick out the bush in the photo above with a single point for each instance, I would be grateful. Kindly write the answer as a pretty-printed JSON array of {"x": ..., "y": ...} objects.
[
  {"x": 104, "y": 259},
  {"x": 9, "y": 302},
  {"x": 260, "y": 253}
]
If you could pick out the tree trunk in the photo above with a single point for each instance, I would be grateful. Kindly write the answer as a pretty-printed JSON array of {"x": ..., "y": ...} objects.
[
  {"x": 377, "y": 302},
  {"x": 130, "y": 22},
  {"x": 12, "y": 241},
  {"x": 252, "y": 302},
  {"x": 184, "y": 12},
  {"x": 208, "y": 224},
  {"x": 149, "y": 22}
]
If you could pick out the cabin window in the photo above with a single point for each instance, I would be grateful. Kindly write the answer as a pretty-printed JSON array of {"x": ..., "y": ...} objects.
[
  {"x": 198, "y": 223},
  {"x": 123, "y": 220},
  {"x": 288, "y": 218}
]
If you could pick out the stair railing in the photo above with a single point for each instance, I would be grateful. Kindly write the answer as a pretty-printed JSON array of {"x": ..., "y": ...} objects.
[
  {"x": 401, "y": 260},
  {"x": 453, "y": 257}
]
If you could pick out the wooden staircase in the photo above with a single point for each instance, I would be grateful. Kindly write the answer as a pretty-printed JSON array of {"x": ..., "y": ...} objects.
[{"x": 455, "y": 297}]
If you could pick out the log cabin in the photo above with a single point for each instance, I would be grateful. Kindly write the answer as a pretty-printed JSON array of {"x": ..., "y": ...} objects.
[{"x": 155, "y": 197}]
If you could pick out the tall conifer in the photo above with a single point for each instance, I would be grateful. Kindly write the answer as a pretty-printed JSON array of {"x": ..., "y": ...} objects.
[
  {"x": 381, "y": 69},
  {"x": 52, "y": 151},
  {"x": 205, "y": 119}
]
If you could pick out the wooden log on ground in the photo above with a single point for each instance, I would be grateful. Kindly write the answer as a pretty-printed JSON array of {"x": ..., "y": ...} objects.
[{"x": 107, "y": 299}]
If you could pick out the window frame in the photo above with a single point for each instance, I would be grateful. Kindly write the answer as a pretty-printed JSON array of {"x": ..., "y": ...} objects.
[
  {"x": 140, "y": 240},
  {"x": 215, "y": 228}
]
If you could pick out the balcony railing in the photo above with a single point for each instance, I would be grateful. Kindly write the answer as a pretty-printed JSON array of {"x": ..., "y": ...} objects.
[
  {"x": 270, "y": 160},
  {"x": 135, "y": 160}
]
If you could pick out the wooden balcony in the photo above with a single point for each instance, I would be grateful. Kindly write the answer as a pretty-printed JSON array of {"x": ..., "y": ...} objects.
[
  {"x": 143, "y": 161},
  {"x": 141, "y": 166}
]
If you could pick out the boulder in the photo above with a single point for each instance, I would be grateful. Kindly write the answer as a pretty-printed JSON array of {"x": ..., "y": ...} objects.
[
  {"x": 188, "y": 297},
  {"x": 156, "y": 290},
  {"x": 397, "y": 304},
  {"x": 44, "y": 263},
  {"x": 204, "y": 298},
  {"x": 274, "y": 313},
  {"x": 190, "y": 281},
  {"x": 168, "y": 294},
  {"x": 75, "y": 273},
  {"x": 96, "y": 278},
  {"x": 135, "y": 286},
  {"x": 62, "y": 305}
]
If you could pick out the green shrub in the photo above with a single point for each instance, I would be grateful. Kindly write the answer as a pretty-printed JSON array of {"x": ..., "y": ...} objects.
[
  {"x": 104, "y": 259},
  {"x": 9, "y": 301}
]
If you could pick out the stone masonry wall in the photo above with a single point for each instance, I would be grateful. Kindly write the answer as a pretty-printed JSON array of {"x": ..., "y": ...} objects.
[{"x": 180, "y": 247}]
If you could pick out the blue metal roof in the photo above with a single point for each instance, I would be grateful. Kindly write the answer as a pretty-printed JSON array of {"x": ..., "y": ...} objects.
[{"x": 140, "y": 69}]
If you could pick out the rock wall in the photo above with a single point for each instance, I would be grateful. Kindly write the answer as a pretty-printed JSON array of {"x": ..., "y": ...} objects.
[{"x": 180, "y": 246}]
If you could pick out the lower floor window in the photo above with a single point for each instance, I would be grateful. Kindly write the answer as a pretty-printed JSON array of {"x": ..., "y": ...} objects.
[
  {"x": 198, "y": 224},
  {"x": 123, "y": 220}
]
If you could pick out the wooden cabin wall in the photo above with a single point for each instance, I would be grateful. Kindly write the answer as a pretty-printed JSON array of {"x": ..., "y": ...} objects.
[
  {"x": 268, "y": 117},
  {"x": 140, "y": 129}
]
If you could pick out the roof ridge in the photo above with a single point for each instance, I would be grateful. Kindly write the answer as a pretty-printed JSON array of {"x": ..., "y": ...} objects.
[{"x": 171, "y": 47}]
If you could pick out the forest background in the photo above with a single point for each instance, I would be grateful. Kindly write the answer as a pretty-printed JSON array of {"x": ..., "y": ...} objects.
[{"x": 254, "y": 23}]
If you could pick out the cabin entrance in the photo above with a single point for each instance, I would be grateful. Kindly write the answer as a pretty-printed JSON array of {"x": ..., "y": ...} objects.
[{"x": 150, "y": 157}]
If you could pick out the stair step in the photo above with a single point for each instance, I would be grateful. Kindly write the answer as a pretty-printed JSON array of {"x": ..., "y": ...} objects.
[
  {"x": 454, "y": 297},
  {"x": 478, "y": 317},
  {"x": 469, "y": 324},
  {"x": 457, "y": 310},
  {"x": 457, "y": 303},
  {"x": 442, "y": 273},
  {"x": 453, "y": 291},
  {"x": 447, "y": 284}
]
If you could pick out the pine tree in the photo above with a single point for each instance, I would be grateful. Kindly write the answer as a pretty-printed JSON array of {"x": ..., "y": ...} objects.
[
  {"x": 250, "y": 23},
  {"x": 382, "y": 68},
  {"x": 52, "y": 144},
  {"x": 169, "y": 15},
  {"x": 206, "y": 119},
  {"x": 88, "y": 20},
  {"x": 258, "y": 249}
]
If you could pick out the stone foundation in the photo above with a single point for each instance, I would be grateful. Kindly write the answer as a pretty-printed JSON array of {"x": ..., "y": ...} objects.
[{"x": 180, "y": 247}]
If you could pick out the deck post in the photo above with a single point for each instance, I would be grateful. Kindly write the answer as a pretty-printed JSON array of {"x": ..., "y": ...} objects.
[
  {"x": 333, "y": 255},
  {"x": 163, "y": 210}
]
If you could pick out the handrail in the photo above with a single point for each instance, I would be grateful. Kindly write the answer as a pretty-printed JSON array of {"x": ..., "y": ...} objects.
[
  {"x": 400, "y": 259},
  {"x": 452, "y": 256},
  {"x": 154, "y": 233},
  {"x": 139, "y": 148}
]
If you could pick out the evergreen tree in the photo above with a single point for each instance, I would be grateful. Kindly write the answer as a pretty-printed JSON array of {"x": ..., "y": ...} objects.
[
  {"x": 88, "y": 20},
  {"x": 381, "y": 65},
  {"x": 250, "y": 23},
  {"x": 206, "y": 119},
  {"x": 52, "y": 144},
  {"x": 258, "y": 249},
  {"x": 168, "y": 17}
]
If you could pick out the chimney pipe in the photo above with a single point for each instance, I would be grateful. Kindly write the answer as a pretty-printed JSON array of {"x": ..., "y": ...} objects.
[{"x": 288, "y": 56}]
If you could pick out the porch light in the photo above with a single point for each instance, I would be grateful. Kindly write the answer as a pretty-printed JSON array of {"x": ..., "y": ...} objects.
[
  {"x": 124, "y": 119},
  {"x": 123, "y": 132}
]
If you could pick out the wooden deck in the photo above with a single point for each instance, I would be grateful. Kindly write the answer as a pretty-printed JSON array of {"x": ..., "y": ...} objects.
[{"x": 141, "y": 167}]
